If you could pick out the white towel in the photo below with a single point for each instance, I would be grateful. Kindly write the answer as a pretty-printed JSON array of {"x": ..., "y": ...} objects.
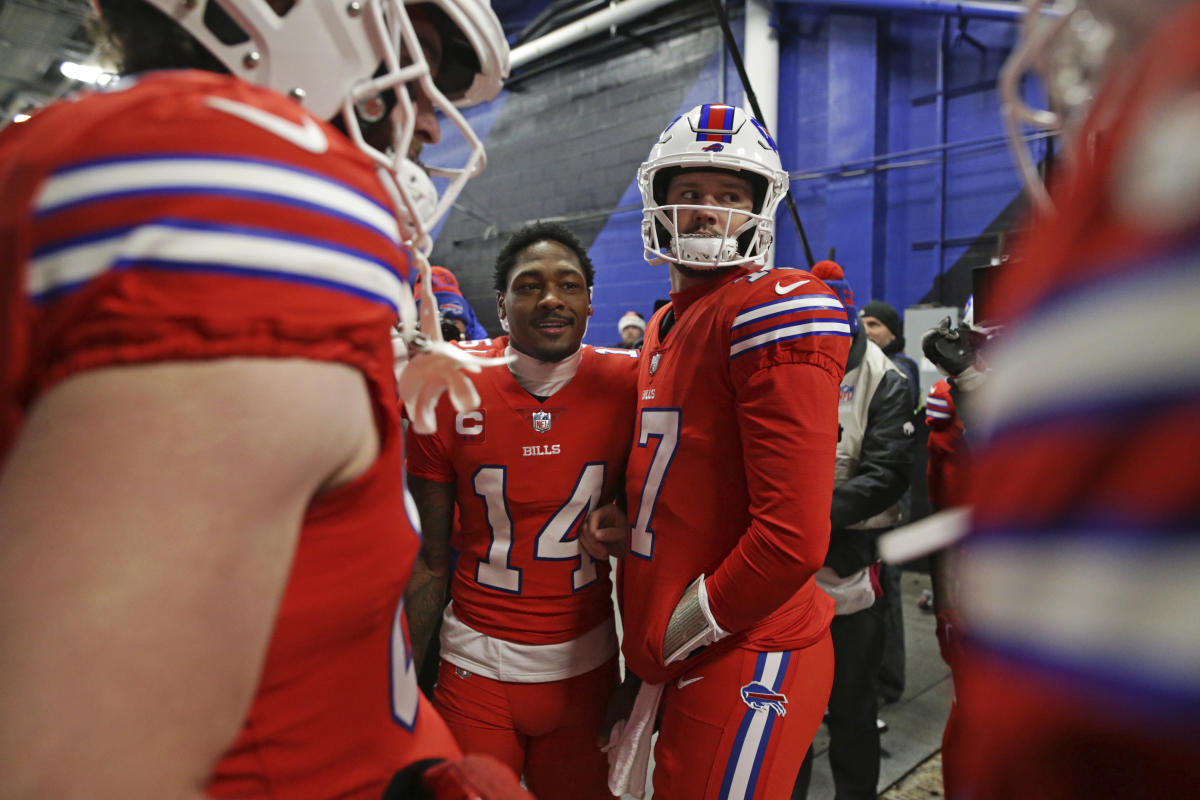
[
  {"x": 629, "y": 744},
  {"x": 851, "y": 594}
]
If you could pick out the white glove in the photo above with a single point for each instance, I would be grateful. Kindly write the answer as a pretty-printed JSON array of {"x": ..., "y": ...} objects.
[
  {"x": 426, "y": 366},
  {"x": 691, "y": 625},
  {"x": 434, "y": 368}
]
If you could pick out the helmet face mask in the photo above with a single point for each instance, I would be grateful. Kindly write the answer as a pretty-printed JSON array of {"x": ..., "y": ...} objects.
[
  {"x": 356, "y": 61},
  {"x": 712, "y": 138},
  {"x": 1072, "y": 47}
]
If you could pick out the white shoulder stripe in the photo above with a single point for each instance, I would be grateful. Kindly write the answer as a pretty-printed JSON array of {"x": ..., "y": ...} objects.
[
  {"x": 225, "y": 250},
  {"x": 228, "y": 175},
  {"x": 803, "y": 303},
  {"x": 1051, "y": 360},
  {"x": 1116, "y": 606},
  {"x": 787, "y": 332}
]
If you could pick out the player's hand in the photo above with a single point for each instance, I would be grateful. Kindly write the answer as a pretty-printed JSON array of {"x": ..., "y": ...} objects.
[
  {"x": 692, "y": 625},
  {"x": 473, "y": 777},
  {"x": 605, "y": 532},
  {"x": 949, "y": 635},
  {"x": 620, "y": 705},
  {"x": 435, "y": 368}
]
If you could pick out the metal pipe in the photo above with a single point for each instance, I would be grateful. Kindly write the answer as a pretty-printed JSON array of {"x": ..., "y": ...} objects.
[
  {"x": 942, "y": 134},
  {"x": 762, "y": 70},
  {"x": 966, "y": 8},
  {"x": 581, "y": 29},
  {"x": 721, "y": 90},
  {"x": 861, "y": 166}
]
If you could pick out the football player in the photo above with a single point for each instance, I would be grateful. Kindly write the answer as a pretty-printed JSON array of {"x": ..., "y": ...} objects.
[
  {"x": 1079, "y": 575},
  {"x": 204, "y": 547},
  {"x": 528, "y": 642},
  {"x": 730, "y": 478}
]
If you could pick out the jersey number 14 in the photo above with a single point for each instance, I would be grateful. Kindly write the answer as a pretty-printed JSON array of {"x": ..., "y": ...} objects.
[{"x": 556, "y": 541}]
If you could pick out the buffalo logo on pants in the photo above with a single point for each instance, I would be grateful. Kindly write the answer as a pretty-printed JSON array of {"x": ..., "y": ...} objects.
[{"x": 760, "y": 698}]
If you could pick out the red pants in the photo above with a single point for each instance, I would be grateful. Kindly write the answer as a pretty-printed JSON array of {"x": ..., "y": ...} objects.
[
  {"x": 738, "y": 726},
  {"x": 545, "y": 731}
]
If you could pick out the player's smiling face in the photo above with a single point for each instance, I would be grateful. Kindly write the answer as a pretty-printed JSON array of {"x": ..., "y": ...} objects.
[{"x": 546, "y": 302}]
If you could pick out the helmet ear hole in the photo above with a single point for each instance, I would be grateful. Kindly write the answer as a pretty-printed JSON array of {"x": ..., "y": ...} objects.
[
  {"x": 758, "y": 184},
  {"x": 662, "y": 180},
  {"x": 223, "y": 26}
]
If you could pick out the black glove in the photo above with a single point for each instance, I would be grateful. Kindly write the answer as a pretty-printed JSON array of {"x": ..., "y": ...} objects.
[
  {"x": 949, "y": 348},
  {"x": 473, "y": 776}
]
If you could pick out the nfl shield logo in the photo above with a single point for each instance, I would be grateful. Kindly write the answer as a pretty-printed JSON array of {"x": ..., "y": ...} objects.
[
  {"x": 654, "y": 359},
  {"x": 541, "y": 421}
]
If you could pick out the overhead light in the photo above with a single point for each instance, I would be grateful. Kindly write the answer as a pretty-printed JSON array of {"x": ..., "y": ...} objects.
[
  {"x": 85, "y": 73},
  {"x": 20, "y": 117}
]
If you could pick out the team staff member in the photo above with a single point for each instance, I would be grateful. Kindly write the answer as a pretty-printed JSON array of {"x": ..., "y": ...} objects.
[
  {"x": 874, "y": 458},
  {"x": 730, "y": 478},
  {"x": 204, "y": 551},
  {"x": 528, "y": 643},
  {"x": 882, "y": 324}
]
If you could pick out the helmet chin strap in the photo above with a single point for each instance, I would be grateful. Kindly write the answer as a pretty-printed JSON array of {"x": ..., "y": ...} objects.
[
  {"x": 704, "y": 248},
  {"x": 415, "y": 198}
]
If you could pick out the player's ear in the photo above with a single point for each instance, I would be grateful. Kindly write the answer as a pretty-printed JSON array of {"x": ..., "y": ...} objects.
[{"x": 500, "y": 310}]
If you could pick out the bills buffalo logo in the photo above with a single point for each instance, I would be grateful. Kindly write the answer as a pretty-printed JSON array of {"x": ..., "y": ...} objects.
[
  {"x": 760, "y": 698},
  {"x": 541, "y": 421},
  {"x": 713, "y": 148}
]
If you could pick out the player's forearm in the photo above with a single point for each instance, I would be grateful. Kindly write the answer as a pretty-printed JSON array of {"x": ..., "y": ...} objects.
[
  {"x": 424, "y": 600},
  {"x": 761, "y": 575},
  {"x": 425, "y": 595},
  {"x": 943, "y": 579},
  {"x": 788, "y": 421}
]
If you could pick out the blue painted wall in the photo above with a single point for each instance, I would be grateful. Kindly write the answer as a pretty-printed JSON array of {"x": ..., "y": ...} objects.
[{"x": 858, "y": 92}]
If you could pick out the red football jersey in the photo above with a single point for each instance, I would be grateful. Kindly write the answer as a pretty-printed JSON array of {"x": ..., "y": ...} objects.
[
  {"x": 731, "y": 472},
  {"x": 194, "y": 216},
  {"x": 949, "y": 458},
  {"x": 1079, "y": 574},
  {"x": 528, "y": 473}
]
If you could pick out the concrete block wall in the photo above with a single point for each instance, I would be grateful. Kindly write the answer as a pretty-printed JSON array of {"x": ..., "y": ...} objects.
[
  {"x": 854, "y": 87},
  {"x": 565, "y": 145}
]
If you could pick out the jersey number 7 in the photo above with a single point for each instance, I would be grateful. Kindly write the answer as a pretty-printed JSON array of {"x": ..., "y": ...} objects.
[
  {"x": 661, "y": 424},
  {"x": 554, "y": 542}
]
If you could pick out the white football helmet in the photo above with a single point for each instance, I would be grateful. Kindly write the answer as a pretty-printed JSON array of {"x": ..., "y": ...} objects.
[
  {"x": 1071, "y": 46},
  {"x": 353, "y": 59},
  {"x": 716, "y": 137}
]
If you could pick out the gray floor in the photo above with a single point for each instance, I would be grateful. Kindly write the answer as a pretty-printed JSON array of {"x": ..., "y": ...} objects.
[{"x": 916, "y": 721}]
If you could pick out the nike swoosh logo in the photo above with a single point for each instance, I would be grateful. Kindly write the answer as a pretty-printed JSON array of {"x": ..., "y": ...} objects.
[
  {"x": 682, "y": 683},
  {"x": 307, "y": 135},
  {"x": 784, "y": 288}
]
